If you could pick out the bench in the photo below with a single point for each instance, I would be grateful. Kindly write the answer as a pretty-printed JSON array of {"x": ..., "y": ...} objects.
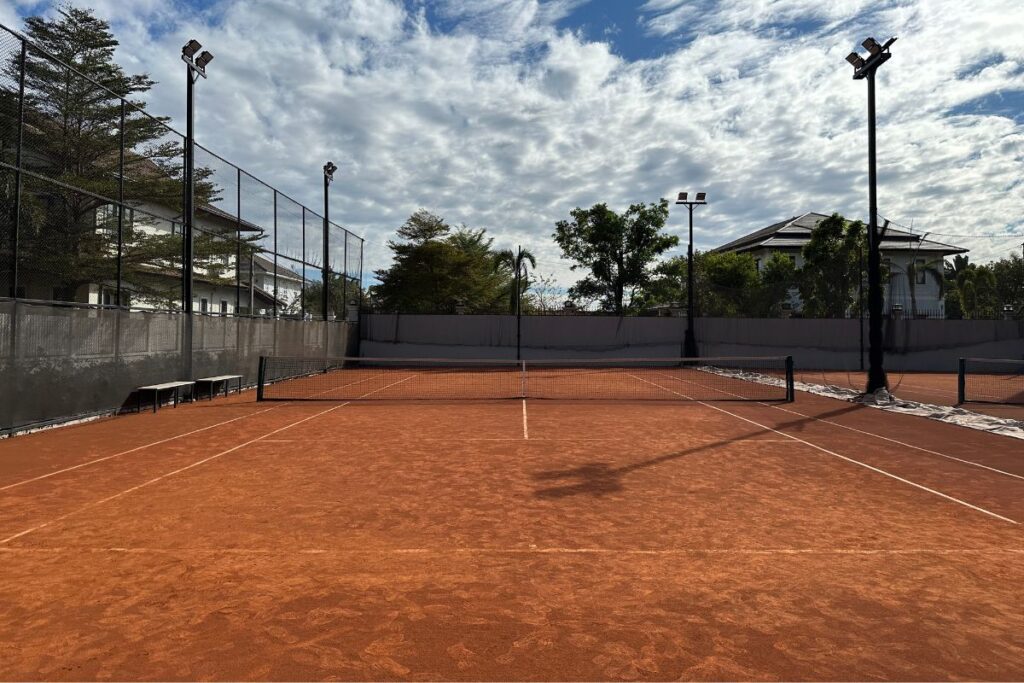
[
  {"x": 165, "y": 386},
  {"x": 212, "y": 381}
]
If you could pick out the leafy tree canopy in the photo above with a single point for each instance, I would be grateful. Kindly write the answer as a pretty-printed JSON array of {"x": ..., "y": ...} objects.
[
  {"x": 618, "y": 250},
  {"x": 435, "y": 267}
]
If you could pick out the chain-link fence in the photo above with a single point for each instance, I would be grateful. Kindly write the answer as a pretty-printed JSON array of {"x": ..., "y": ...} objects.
[{"x": 92, "y": 198}]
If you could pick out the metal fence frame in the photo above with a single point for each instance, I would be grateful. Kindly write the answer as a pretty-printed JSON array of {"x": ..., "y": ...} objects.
[{"x": 313, "y": 225}]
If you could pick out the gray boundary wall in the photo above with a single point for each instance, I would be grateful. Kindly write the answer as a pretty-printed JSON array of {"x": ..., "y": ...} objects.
[
  {"x": 58, "y": 363},
  {"x": 921, "y": 345}
]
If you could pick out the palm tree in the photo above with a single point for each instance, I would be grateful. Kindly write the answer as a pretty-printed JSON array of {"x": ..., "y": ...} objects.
[
  {"x": 934, "y": 268},
  {"x": 513, "y": 262}
]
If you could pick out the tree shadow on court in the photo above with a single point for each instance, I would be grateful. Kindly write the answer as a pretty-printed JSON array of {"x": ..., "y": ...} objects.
[{"x": 602, "y": 478}]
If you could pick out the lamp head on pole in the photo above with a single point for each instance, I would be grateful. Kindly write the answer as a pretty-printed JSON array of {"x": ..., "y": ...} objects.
[
  {"x": 877, "y": 55},
  {"x": 329, "y": 169},
  {"x": 701, "y": 198}
]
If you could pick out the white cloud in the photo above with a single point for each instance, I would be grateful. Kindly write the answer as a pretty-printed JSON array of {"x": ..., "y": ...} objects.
[{"x": 507, "y": 122}]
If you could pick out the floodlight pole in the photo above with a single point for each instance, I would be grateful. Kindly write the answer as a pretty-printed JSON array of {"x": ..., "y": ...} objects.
[
  {"x": 519, "y": 306},
  {"x": 326, "y": 272},
  {"x": 690, "y": 340},
  {"x": 194, "y": 68},
  {"x": 865, "y": 69}
]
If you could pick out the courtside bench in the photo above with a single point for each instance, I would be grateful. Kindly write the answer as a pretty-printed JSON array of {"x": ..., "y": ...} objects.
[
  {"x": 165, "y": 386},
  {"x": 226, "y": 379}
]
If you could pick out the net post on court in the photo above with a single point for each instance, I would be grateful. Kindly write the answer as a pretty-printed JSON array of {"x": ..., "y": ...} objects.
[{"x": 767, "y": 378}]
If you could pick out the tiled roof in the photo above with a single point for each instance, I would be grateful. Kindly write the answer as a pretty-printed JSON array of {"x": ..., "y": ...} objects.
[{"x": 795, "y": 232}]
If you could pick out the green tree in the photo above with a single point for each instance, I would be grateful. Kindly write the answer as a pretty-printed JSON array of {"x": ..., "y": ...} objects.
[
  {"x": 778, "y": 276},
  {"x": 617, "y": 250},
  {"x": 831, "y": 271},
  {"x": 976, "y": 287},
  {"x": 1009, "y": 277},
  {"x": 433, "y": 267},
  {"x": 73, "y": 130}
]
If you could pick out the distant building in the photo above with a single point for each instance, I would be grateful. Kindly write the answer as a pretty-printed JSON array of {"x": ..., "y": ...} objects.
[{"x": 922, "y": 297}]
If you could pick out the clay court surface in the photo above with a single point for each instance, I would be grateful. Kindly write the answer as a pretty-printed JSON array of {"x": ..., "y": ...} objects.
[
  {"x": 936, "y": 388},
  {"x": 512, "y": 540}
]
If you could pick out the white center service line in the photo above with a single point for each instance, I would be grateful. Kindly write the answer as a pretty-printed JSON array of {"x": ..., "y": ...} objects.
[
  {"x": 841, "y": 457},
  {"x": 190, "y": 466},
  {"x": 526, "y": 429}
]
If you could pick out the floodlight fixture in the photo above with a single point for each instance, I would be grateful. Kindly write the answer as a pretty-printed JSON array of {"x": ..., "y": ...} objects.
[
  {"x": 689, "y": 349},
  {"x": 682, "y": 198},
  {"x": 701, "y": 196},
  {"x": 855, "y": 59},
  {"x": 872, "y": 46},
  {"x": 329, "y": 169},
  {"x": 204, "y": 59},
  {"x": 191, "y": 48}
]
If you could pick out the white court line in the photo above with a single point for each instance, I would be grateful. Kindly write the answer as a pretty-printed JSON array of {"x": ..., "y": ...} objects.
[
  {"x": 185, "y": 468},
  {"x": 526, "y": 429},
  {"x": 447, "y": 439},
  {"x": 843, "y": 457},
  {"x": 510, "y": 551},
  {"x": 132, "y": 450},
  {"x": 972, "y": 463}
]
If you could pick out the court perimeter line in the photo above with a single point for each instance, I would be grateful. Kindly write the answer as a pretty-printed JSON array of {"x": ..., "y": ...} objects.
[
  {"x": 186, "y": 467},
  {"x": 843, "y": 457},
  {"x": 132, "y": 450},
  {"x": 526, "y": 430},
  {"x": 515, "y": 551},
  {"x": 867, "y": 433}
]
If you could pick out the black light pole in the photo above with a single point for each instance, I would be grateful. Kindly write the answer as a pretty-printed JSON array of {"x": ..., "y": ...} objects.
[
  {"x": 195, "y": 67},
  {"x": 690, "y": 341},
  {"x": 329, "y": 169},
  {"x": 865, "y": 68}
]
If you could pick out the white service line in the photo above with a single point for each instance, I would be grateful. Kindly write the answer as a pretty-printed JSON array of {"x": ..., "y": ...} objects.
[
  {"x": 187, "y": 467},
  {"x": 842, "y": 457},
  {"x": 132, "y": 450},
  {"x": 972, "y": 463},
  {"x": 350, "y": 552},
  {"x": 526, "y": 429}
]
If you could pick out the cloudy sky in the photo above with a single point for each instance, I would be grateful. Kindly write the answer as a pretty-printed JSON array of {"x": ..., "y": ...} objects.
[{"x": 506, "y": 114}]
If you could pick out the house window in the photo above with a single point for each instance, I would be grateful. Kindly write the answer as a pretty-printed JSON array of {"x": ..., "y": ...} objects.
[
  {"x": 223, "y": 306},
  {"x": 919, "y": 271},
  {"x": 757, "y": 264},
  {"x": 204, "y": 305}
]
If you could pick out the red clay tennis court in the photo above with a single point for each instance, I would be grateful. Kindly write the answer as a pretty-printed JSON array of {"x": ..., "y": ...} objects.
[{"x": 512, "y": 539}]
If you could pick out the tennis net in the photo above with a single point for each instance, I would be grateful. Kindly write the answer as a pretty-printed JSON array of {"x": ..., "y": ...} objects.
[
  {"x": 990, "y": 380},
  {"x": 669, "y": 379}
]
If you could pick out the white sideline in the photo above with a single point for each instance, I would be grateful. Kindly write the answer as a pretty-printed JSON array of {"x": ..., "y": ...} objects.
[
  {"x": 132, "y": 450},
  {"x": 842, "y": 457},
  {"x": 972, "y": 463},
  {"x": 187, "y": 467}
]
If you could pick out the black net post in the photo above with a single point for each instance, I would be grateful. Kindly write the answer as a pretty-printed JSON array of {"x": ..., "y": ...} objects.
[
  {"x": 961, "y": 381},
  {"x": 790, "y": 388},
  {"x": 261, "y": 377}
]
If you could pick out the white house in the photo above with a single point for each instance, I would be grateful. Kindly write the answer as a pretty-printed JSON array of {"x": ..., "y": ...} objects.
[{"x": 921, "y": 297}]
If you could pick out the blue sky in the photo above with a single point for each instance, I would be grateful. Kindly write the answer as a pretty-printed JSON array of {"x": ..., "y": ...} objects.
[{"x": 506, "y": 114}]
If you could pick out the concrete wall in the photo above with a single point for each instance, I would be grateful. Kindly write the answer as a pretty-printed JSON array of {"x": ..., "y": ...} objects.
[
  {"x": 932, "y": 345},
  {"x": 62, "y": 362}
]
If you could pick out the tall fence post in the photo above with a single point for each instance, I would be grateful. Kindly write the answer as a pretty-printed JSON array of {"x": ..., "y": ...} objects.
[
  {"x": 261, "y": 378},
  {"x": 238, "y": 241},
  {"x": 15, "y": 256},
  {"x": 120, "y": 212}
]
